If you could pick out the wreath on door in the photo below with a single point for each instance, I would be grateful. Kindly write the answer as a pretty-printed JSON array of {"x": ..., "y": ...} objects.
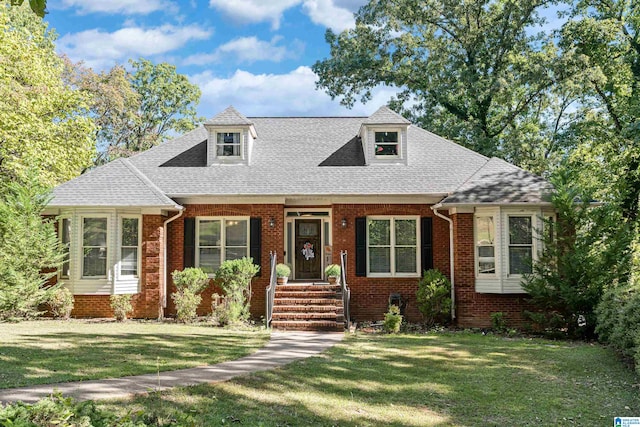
[{"x": 307, "y": 251}]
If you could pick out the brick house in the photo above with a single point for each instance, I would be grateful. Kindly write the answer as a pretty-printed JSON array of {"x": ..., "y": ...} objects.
[{"x": 398, "y": 199}]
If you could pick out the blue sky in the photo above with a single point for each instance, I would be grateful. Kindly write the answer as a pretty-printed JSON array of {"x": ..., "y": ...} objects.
[{"x": 253, "y": 54}]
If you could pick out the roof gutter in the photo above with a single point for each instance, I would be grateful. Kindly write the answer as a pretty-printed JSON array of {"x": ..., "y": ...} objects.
[
  {"x": 435, "y": 208},
  {"x": 164, "y": 263}
]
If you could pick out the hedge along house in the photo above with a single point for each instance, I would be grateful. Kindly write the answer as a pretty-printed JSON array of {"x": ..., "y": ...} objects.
[{"x": 396, "y": 198}]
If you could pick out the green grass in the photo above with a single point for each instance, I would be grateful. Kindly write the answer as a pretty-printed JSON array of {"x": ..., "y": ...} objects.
[
  {"x": 448, "y": 379},
  {"x": 48, "y": 351}
]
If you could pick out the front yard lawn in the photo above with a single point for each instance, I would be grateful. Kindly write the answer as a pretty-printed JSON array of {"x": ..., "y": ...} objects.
[
  {"x": 443, "y": 379},
  {"x": 48, "y": 351}
]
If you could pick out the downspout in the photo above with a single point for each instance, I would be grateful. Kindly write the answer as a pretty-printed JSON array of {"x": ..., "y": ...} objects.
[
  {"x": 434, "y": 208},
  {"x": 164, "y": 264}
]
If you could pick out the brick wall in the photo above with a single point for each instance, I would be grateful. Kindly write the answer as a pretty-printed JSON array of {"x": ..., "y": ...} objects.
[
  {"x": 370, "y": 296},
  {"x": 272, "y": 240},
  {"x": 474, "y": 309}
]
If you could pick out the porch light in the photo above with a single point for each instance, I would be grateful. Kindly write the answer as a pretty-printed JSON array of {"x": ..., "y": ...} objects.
[
  {"x": 344, "y": 222},
  {"x": 272, "y": 222}
]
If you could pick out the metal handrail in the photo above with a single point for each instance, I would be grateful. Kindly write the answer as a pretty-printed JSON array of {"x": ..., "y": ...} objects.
[
  {"x": 346, "y": 292},
  {"x": 271, "y": 289}
]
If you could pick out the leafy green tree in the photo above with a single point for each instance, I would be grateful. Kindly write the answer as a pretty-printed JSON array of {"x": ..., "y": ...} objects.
[
  {"x": 167, "y": 103},
  {"x": 472, "y": 69},
  {"x": 29, "y": 249},
  {"x": 39, "y": 7},
  {"x": 43, "y": 122}
]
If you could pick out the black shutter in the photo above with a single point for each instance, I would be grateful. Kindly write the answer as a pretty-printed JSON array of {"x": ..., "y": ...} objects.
[
  {"x": 361, "y": 247},
  {"x": 426, "y": 238},
  {"x": 255, "y": 242},
  {"x": 189, "y": 256}
]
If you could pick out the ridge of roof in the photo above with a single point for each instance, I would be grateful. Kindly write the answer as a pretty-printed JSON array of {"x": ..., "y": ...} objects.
[
  {"x": 230, "y": 116},
  {"x": 146, "y": 181}
]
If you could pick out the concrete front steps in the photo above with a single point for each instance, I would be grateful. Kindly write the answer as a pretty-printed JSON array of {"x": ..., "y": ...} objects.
[{"x": 308, "y": 307}]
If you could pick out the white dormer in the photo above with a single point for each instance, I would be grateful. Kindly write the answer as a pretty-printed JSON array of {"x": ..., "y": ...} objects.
[
  {"x": 384, "y": 137},
  {"x": 230, "y": 138}
]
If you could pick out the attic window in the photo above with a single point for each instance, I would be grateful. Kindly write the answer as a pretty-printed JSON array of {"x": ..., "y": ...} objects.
[
  {"x": 228, "y": 144},
  {"x": 386, "y": 144}
]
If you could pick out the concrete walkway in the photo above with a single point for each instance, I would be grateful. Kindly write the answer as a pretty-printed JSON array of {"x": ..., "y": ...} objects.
[{"x": 283, "y": 348}]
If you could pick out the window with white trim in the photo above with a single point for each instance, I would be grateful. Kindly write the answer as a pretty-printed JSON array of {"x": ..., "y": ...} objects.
[
  {"x": 129, "y": 246},
  {"x": 228, "y": 144},
  {"x": 387, "y": 144},
  {"x": 485, "y": 244},
  {"x": 520, "y": 244},
  {"x": 94, "y": 247},
  {"x": 220, "y": 239},
  {"x": 65, "y": 240},
  {"x": 392, "y": 246}
]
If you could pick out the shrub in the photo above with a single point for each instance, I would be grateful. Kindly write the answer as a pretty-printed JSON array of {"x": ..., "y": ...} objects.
[
  {"x": 283, "y": 270},
  {"x": 234, "y": 277},
  {"x": 434, "y": 297},
  {"x": 61, "y": 302},
  {"x": 30, "y": 250},
  {"x": 189, "y": 282},
  {"x": 392, "y": 320},
  {"x": 332, "y": 270},
  {"x": 121, "y": 305},
  {"x": 498, "y": 322}
]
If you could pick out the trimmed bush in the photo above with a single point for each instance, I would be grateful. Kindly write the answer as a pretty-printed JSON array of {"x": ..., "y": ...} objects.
[
  {"x": 434, "y": 297},
  {"x": 61, "y": 302},
  {"x": 189, "y": 282},
  {"x": 121, "y": 305},
  {"x": 234, "y": 277},
  {"x": 332, "y": 270},
  {"x": 392, "y": 320},
  {"x": 283, "y": 270}
]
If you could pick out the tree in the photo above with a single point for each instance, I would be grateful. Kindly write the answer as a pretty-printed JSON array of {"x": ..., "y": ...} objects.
[
  {"x": 472, "y": 69},
  {"x": 43, "y": 122},
  {"x": 39, "y": 7},
  {"x": 30, "y": 250},
  {"x": 167, "y": 103}
]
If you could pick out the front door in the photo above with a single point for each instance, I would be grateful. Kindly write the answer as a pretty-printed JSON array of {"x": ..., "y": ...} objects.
[{"x": 308, "y": 249}]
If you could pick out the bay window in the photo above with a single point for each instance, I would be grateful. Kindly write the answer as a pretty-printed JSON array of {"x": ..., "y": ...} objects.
[
  {"x": 392, "y": 246},
  {"x": 129, "y": 246},
  {"x": 485, "y": 244},
  {"x": 220, "y": 239},
  {"x": 65, "y": 239},
  {"x": 520, "y": 244}
]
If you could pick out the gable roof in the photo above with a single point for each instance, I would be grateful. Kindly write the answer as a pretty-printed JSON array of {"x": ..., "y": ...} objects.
[
  {"x": 117, "y": 184},
  {"x": 499, "y": 182},
  {"x": 229, "y": 117},
  {"x": 303, "y": 156}
]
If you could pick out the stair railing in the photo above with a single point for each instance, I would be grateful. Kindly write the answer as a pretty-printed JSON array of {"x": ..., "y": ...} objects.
[
  {"x": 346, "y": 292},
  {"x": 271, "y": 289}
]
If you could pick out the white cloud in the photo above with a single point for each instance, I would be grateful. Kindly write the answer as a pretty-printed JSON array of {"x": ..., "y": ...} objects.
[
  {"x": 253, "y": 11},
  {"x": 325, "y": 12},
  {"x": 100, "y": 49},
  {"x": 293, "y": 93},
  {"x": 126, "y": 7},
  {"x": 247, "y": 50}
]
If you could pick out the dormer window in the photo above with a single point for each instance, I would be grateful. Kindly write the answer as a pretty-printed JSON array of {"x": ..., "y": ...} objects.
[
  {"x": 386, "y": 144},
  {"x": 228, "y": 144}
]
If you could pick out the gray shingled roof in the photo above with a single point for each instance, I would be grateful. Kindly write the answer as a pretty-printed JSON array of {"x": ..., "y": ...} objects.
[
  {"x": 117, "y": 183},
  {"x": 499, "y": 182},
  {"x": 229, "y": 117},
  {"x": 386, "y": 116},
  {"x": 302, "y": 156}
]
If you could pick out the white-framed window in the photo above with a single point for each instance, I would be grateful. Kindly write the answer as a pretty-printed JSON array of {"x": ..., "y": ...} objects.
[
  {"x": 228, "y": 144},
  {"x": 219, "y": 239},
  {"x": 64, "y": 233},
  {"x": 94, "y": 246},
  {"x": 520, "y": 244},
  {"x": 130, "y": 246},
  {"x": 387, "y": 144},
  {"x": 485, "y": 237},
  {"x": 392, "y": 246}
]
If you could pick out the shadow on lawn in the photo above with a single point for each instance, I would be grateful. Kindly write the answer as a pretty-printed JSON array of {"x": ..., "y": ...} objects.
[
  {"x": 386, "y": 380},
  {"x": 68, "y": 356}
]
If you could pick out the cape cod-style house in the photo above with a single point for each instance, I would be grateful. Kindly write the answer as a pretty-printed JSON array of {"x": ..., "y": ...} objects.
[{"x": 385, "y": 197}]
